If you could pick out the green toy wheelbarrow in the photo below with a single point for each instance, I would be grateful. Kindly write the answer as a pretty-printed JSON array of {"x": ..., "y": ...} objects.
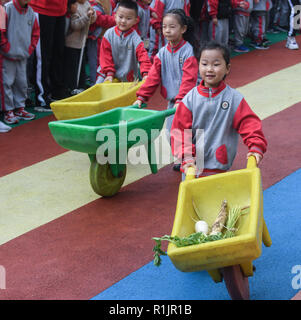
[{"x": 105, "y": 138}]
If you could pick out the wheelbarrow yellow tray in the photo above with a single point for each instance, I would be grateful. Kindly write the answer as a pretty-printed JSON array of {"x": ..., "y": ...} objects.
[
  {"x": 100, "y": 97},
  {"x": 240, "y": 188},
  {"x": 83, "y": 135}
]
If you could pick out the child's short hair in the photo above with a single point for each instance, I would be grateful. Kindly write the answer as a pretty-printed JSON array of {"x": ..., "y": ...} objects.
[
  {"x": 129, "y": 4},
  {"x": 214, "y": 45}
]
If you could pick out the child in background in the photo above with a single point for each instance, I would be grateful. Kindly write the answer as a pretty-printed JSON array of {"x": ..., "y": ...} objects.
[
  {"x": 223, "y": 114},
  {"x": 145, "y": 12},
  {"x": 74, "y": 44},
  {"x": 175, "y": 66},
  {"x": 160, "y": 7},
  {"x": 104, "y": 20},
  {"x": 241, "y": 19},
  {"x": 3, "y": 126},
  {"x": 219, "y": 12},
  {"x": 258, "y": 24},
  {"x": 17, "y": 44},
  {"x": 122, "y": 48}
]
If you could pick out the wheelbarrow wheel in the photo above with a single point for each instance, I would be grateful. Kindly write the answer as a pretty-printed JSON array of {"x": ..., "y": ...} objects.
[
  {"x": 236, "y": 282},
  {"x": 103, "y": 181}
]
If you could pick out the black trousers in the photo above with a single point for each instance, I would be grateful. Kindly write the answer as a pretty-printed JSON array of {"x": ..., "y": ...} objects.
[
  {"x": 71, "y": 65},
  {"x": 50, "y": 55}
]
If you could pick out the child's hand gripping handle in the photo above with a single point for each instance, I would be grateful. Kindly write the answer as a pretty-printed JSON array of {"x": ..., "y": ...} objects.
[{"x": 190, "y": 174}]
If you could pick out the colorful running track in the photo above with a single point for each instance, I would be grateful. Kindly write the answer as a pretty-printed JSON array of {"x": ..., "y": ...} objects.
[{"x": 59, "y": 240}]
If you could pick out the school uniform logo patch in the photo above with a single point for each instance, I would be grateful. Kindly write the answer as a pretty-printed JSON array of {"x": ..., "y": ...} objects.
[{"x": 225, "y": 105}]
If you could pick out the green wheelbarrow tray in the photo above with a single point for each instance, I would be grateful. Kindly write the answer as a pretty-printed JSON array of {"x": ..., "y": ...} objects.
[{"x": 88, "y": 135}]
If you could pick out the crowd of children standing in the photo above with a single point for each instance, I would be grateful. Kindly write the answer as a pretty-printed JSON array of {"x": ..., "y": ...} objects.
[{"x": 60, "y": 47}]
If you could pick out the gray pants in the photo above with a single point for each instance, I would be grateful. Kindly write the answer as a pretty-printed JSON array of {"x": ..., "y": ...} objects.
[
  {"x": 240, "y": 25},
  {"x": 258, "y": 25},
  {"x": 219, "y": 33},
  {"x": 14, "y": 84},
  {"x": 169, "y": 120}
]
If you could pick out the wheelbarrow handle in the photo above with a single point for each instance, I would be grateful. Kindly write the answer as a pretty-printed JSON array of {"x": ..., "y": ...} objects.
[
  {"x": 168, "y": 112},
  {"x": 190, "y": 174},
  {"x": 252, "y": 164}
]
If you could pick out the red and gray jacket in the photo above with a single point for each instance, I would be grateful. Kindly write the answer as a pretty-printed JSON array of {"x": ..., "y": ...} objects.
[
  {"x": 22, "y": 34},
  {"x": 223, "y": 114},
  {"x": 162, "y": 6},
  {"x": 54, "y": 8},
  {"x": 119, "y": 54},
  {"x": 175, "y": 68}
]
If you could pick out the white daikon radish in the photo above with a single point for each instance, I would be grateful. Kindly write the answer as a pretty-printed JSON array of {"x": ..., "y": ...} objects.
[{"x": 201, "y": 226}]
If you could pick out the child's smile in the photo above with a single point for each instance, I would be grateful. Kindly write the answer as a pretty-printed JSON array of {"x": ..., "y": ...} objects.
[{"x": 213, "y": 67}]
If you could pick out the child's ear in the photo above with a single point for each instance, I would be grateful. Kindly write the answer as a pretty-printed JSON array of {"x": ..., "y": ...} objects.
[
  {"x": 228, "y": 68},
  {"x": 184, "y": 29}
]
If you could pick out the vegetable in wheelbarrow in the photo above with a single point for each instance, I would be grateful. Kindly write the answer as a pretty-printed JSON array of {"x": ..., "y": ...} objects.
[{"x": 226, "y": 219}]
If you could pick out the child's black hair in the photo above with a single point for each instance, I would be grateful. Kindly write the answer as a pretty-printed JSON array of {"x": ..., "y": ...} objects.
[
  {"x": 70, "y": 2},
  {"x": 214, "y": 45},
  {"x": 187, "y": 21},
  {"x": 129, "y": 4}
]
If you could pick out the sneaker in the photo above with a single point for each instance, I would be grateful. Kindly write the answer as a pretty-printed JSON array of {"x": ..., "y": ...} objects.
[
  {"x": 176, "y": 167},
  {"x": 241, "y": 48},
  {"x": 4, "y": 127},
  {"x": 10, "y": 118},
  {"x": 259, "y": 46},
  {"x": 77, "y": 91},
  {"x": 266, "y": 41},
  {"x": 291, "y": 43},
  {"x": 43, "y": 109},
  {"x": 20, "y": 113}
]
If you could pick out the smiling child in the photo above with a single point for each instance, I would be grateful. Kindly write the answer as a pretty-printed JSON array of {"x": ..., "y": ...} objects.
[{"x": 223, "y": 114}]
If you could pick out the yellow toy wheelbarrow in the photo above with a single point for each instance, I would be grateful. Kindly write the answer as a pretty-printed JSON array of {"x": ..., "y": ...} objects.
[
  {"x": 230, "y": 258},
  {"x": 99, "y": 98}
]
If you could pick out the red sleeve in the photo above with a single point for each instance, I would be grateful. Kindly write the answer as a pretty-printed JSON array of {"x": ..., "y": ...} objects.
[
  {"x": 181, "y": 135},
  {"x": 249, "y": 126},
  {"x": 104, "y": 20},
  {"x": 187, "y": 8},
  {"x": 212, "y": 8},
  {"x": 189, "y": 78},
  {"x": 106, "y": 61},
  {"x": 4, "y": 44},
  {"x": 35, "y": 35},
  {"x": 159, "y": 9},
  {"x": 152, "y": 81},
  {"x": 142, "y": 57}
]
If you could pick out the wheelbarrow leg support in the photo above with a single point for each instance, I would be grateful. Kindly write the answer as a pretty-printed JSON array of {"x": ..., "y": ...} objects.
[
  {"x": 265, "y": 235},
  {"x": 151, "y": 154},
  {"x": 236, "y": 282},
  {"x": 215, "y": 275}
]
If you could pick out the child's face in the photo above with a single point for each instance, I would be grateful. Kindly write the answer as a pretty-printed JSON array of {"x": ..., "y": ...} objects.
[
  {"x": 172, "y": 29},
  {"x": 23, "y": 3},
  {"x": 125, "y": 18},
  {"x": 213, "y": 67}
]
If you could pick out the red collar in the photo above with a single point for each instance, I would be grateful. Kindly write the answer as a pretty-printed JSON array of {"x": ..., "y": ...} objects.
[
  {"x": 19, "y": 8},
  {"x": 177, "y": 47},
  {"x": 205, "y": 91},
  {"x": 125, "y": 34}
]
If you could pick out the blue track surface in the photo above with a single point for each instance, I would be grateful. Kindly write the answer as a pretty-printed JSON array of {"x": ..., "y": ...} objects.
[{"x": 272, "y": 279}]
